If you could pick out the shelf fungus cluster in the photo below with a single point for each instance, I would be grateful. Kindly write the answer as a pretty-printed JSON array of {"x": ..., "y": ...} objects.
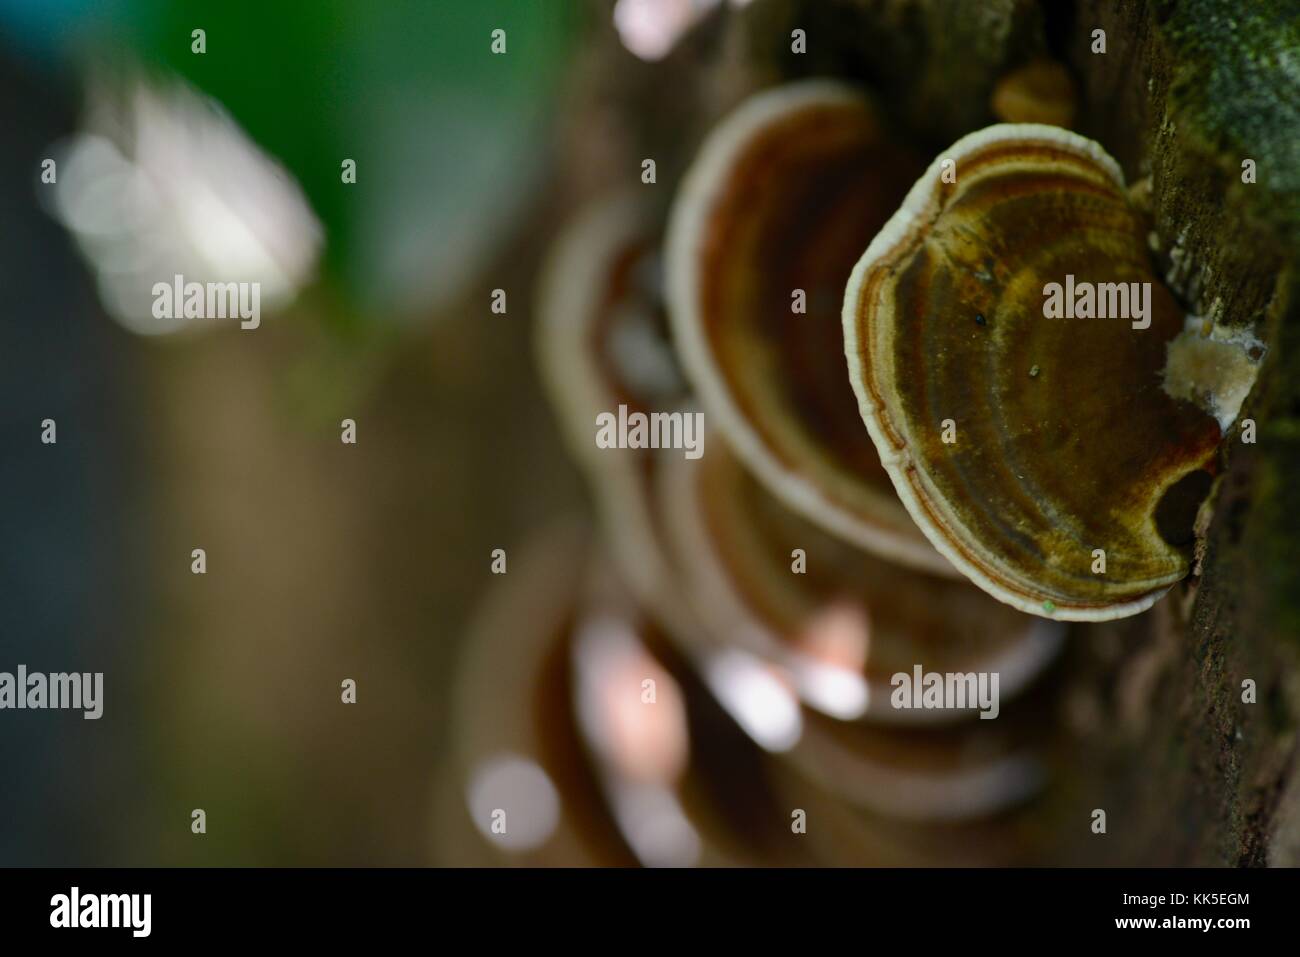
[
  {"x": 790, "y": 625},
  {"x": 591, "y": 736}
]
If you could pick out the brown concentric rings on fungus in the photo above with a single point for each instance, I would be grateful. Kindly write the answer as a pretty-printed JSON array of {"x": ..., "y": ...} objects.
[
  {"x": 783, "y": 197},
  {"x": 602, "y": 343},
  {"x": 511, "y": 714},
  {"x": 1028, "y": 483},
  {"x": 666, "y": 753},
  {"x": 848, "y": 621},
  {"x": 927, "y": 775}
]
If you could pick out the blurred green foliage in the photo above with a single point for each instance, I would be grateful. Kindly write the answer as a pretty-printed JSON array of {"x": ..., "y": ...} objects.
[{"x": 440, "y": 127}]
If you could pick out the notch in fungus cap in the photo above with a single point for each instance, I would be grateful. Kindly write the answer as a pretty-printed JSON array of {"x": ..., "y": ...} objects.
[
  {"x": 783, "y": 197},
  {"x": 1043, "y": 456}
]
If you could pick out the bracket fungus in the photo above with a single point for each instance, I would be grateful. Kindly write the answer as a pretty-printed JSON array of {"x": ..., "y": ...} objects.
[
  {"x": 602, "y": 345},
  {"x": 504, "y": 762},
  {"x": 559, "y": 747},
  {"x": 851, "y": 621},
  {"x": 1046, "y": 457},
  {"x": 924, "y": 774},
  {"x": 784, "y": 195}
]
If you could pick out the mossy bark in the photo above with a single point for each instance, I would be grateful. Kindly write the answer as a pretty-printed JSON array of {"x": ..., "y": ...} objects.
[{"x": 1187, "y": 93}]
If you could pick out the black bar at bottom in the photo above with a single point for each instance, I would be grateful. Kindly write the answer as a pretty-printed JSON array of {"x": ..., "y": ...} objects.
[{"x": 232, "y": 905}]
